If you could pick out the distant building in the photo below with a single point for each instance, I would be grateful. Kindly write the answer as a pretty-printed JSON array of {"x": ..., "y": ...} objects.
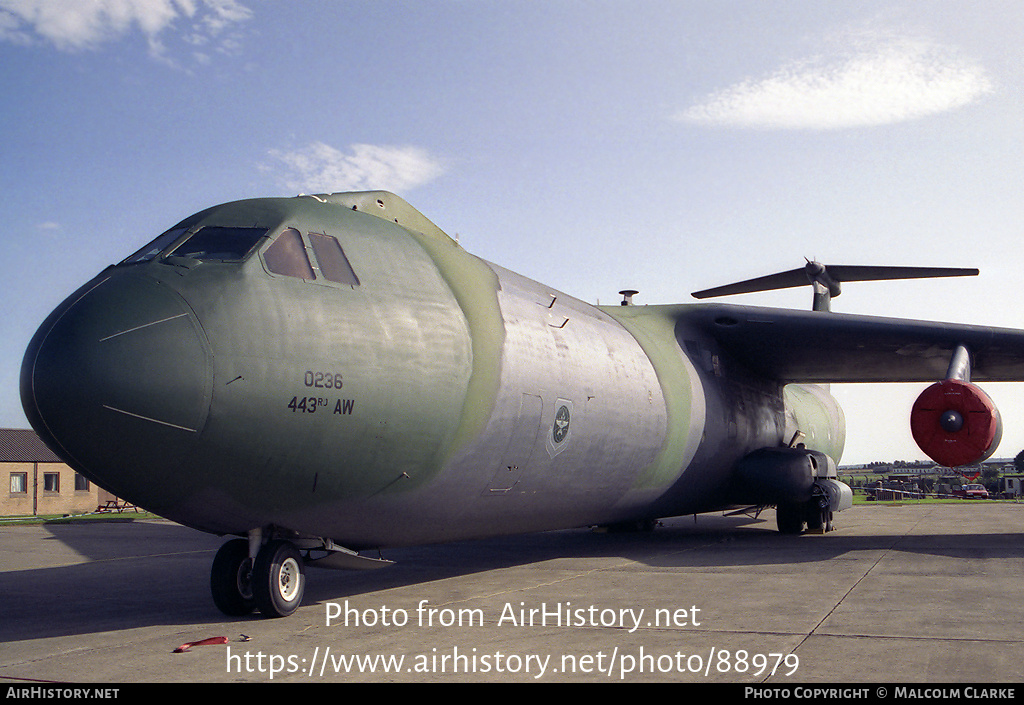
[
  {"x": 40, "y": 483},
  {"x": 1011, "y": 485}
]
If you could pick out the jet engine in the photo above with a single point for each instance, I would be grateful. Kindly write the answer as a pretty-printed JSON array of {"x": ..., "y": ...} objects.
[{"x": 955, "y": 423}]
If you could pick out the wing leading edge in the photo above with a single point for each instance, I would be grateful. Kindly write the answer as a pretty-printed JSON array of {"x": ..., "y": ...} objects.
[{"x": 813, "y": 347}]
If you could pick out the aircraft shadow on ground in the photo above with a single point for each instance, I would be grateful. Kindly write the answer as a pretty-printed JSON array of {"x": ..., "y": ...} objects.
[{"x": 171, "y": 587}]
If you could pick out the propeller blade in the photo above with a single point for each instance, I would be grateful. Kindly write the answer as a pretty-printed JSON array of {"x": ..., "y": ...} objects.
[
  {"x": 782, "y": 280},
  {"x": 854, "y": 273}
]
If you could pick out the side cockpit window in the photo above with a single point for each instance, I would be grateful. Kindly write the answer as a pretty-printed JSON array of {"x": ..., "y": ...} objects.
[
  {"x": 333, "y": 263},
  {"x": 287, "y": 256},
  {"x": 318, "y": 258},
  {"x": 156, "y": 247}
]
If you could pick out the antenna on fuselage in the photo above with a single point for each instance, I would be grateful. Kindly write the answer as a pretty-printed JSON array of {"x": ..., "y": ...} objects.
[{"x": 627, "y": 296}]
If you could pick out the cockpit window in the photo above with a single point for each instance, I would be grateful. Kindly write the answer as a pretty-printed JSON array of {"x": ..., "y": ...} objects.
[
  {"x": 156, "y": 247},
  {"x": 287, "y": 256},
  {"x": 224, "y": 244},
  {"x": 318, "y": 258},
  {"x": 331, "y": 258}
]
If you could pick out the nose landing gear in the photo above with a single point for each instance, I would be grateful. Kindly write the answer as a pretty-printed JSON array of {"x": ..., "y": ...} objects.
[
  {"x": 279, "y": 579},
  {"x": 273, "y": 582},
  {"x": 231, "y": 579}
]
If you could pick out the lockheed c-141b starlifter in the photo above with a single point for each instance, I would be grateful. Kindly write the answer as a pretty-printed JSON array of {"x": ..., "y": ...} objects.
[{"x": 326, "y": 374}]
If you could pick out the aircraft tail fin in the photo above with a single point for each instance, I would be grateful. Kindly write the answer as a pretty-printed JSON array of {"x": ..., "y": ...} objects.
[{"x": 826, "y": 280}]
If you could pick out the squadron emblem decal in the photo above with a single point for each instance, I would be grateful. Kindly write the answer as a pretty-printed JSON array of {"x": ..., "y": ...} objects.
[{"x": 560, "y": 429}]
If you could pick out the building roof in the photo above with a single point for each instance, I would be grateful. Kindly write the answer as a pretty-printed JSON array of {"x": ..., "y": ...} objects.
[{"x": 22, "y": 445}]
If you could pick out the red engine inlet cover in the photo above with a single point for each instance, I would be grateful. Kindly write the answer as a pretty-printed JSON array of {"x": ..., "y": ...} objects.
[{"x": 955, "y": 423}]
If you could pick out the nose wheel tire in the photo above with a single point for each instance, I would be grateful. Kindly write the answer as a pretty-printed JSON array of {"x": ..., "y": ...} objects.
[
  {"x": 231, "y": 579},
  {"x": 279, "y": 579}
]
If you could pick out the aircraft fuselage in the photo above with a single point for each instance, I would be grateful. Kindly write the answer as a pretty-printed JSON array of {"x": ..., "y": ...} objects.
[{"x": 418, "y": 395}]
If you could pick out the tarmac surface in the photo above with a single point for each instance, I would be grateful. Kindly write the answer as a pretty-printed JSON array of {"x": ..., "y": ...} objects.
[{"x": 898, "y": 594}]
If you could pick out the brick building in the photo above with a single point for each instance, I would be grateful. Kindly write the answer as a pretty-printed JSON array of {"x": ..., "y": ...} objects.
[{"x": 37, "y": 482}]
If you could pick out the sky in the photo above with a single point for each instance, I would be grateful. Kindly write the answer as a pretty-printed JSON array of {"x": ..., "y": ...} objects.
[{"x": 593, "y": 145}]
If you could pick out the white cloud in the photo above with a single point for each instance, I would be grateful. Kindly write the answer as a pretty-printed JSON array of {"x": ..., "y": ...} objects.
[
  {"x": 321, "y": 168},
  {"x": 86, "y": 24},
  {"x": 877, "y": 83}
]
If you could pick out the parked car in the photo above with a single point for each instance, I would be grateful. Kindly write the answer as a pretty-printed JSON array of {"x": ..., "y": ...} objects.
[{"x": 972, "y": 491}]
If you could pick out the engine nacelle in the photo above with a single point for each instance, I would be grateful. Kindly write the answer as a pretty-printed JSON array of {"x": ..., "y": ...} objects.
[{"x": 955, "y": 423}]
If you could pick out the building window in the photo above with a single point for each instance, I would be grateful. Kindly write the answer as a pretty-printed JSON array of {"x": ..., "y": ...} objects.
[
  {"x": 51, "y": 482},
  {"x": 19, "y": 483},
  {"x": 81, "y": 483}
]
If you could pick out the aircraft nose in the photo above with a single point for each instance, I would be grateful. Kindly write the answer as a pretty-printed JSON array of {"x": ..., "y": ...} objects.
[{"x": 118, "y": 381}]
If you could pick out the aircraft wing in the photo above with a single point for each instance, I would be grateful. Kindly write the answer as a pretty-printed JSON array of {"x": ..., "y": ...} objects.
[{"x": 820, "y": 347}]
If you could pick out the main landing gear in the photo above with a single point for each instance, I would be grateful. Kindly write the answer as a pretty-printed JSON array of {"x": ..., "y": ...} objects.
[
  {"x": 273, "y": 582},
  {"x": 816, "y": 514}
]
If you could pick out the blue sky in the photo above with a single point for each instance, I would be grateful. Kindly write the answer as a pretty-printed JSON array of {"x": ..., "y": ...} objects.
[{"x": 666, "y": 146}]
